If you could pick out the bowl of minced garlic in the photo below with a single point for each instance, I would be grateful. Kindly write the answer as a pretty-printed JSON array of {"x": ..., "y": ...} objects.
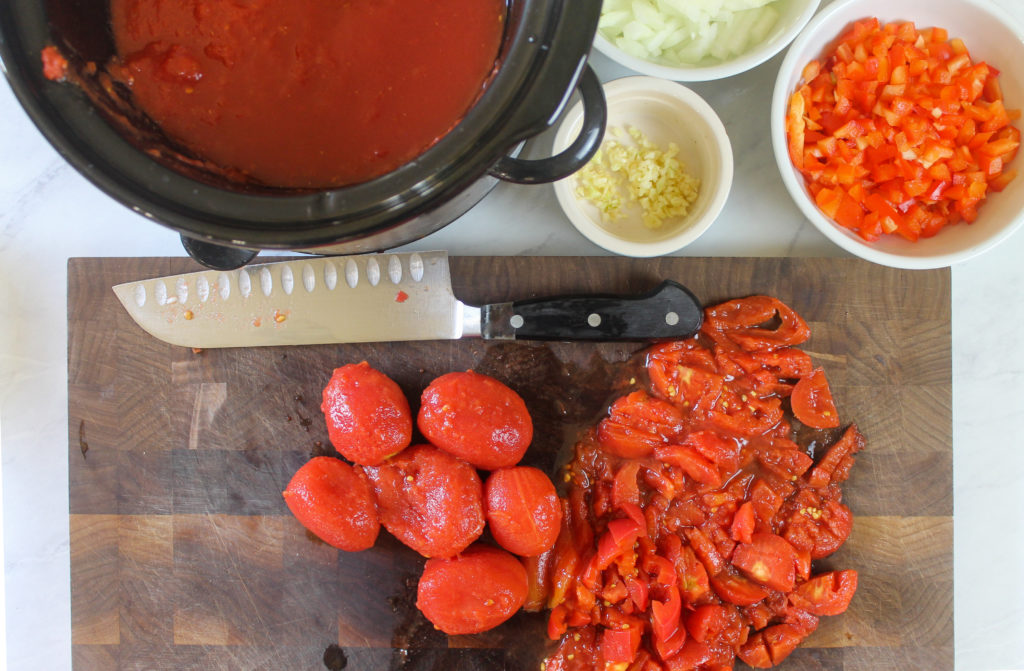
[{"x": 661, "y": 176}]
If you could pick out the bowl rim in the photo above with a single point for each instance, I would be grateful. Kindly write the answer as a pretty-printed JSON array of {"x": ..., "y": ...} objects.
[
  {"x": 848, "y": 241},
  {"x": 722, "y": 149},
  {"x": 702, "y": 73}
]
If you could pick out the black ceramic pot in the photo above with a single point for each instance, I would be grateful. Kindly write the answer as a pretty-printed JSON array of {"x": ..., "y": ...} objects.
[{"x": 224, "y": 224}]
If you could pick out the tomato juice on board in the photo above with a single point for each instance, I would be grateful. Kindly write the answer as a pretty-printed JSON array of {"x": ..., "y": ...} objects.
[{"x": 306, "y": 93}]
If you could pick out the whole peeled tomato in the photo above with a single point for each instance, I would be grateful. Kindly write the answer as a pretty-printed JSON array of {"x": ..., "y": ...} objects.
[
  {"x": 334, "y": 501},
  {"x": 472, "y": 592},
  {"x": 523, "y": 510},
  {"x": 476, "y": 418},
  {"x": 429, "y": 500},
  {"x": 368, "y": 416}
]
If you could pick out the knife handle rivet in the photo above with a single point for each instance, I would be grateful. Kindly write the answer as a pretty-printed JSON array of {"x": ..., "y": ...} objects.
[
  {"x": 594, "y": 319},
  {"x": 516, "y": 321},
  {"x": 671, "y": 318}
]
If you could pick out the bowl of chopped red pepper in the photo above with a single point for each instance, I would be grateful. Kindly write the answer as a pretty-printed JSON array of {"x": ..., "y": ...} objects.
[{"x": 896, "y": 128}]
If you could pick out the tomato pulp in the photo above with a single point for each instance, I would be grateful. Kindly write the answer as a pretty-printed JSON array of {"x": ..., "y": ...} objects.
[{"x": 306, "y": 93}]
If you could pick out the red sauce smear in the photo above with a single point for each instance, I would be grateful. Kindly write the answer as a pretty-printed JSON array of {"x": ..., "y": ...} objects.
[{"x": 307, "y": 93}]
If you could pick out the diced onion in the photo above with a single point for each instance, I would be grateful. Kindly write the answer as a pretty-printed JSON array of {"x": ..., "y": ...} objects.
[{"x": 687, "y": 32}]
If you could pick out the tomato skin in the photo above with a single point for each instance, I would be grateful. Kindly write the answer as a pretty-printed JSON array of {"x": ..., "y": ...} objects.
[
  {"x": 473, "y": 591},
  {"x": 368, "y": 416},
  {"x": 429, "y": 500},
  {"x": 522, "y": 510},
  {"x": 334, "y": 501},
  {"x": 812, "y": 401},
  {"x": 476, "y": 418}
]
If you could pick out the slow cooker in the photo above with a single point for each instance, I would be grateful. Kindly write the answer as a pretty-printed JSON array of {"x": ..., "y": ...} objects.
[{"x": 224, "y": 224}]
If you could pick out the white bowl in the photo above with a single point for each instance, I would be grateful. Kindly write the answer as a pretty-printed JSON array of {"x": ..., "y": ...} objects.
[
  {"x": 793, "y": 16},
  {"x": 665, "y": 112},
  {"x": 990, "y": 36}
]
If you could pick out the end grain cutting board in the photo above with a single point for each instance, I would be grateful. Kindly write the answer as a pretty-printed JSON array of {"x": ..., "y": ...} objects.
[{"x": 183, "y": 555}]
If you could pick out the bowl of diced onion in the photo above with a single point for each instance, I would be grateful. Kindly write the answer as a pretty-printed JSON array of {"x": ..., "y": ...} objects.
[
  {"x": 661, "y": 176},
  {"x": 698, "y": 40}
]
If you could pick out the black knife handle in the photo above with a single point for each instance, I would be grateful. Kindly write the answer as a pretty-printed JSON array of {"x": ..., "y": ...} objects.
[{"x": 671, "y": 311}]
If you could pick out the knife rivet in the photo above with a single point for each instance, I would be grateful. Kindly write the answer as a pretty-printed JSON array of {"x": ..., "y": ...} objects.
[
  {"x": 671, "y": 318},
  {"x": 594, "y": 319},
  {"x": 516, "y": 321}
]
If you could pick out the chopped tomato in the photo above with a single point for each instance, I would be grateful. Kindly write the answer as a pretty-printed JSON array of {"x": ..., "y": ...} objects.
[
  {"x": 826, "y": 594},
  {"x": 812, "y": 401},
  {"x": 620, "y": 645},
  {"x": 707, "y": 620},
  {"x": 767, "y": 559},
  {"x": 692, "y": 514},
  {"x": 735, "y": 589},
  {"x": 742, "y": 523}
]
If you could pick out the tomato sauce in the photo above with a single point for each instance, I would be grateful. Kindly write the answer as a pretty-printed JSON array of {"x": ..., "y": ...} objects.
[{"x": 306, "y": 93}]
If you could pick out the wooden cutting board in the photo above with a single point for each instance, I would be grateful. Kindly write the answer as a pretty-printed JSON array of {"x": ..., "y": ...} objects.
[{"x": 183, "y": 555}]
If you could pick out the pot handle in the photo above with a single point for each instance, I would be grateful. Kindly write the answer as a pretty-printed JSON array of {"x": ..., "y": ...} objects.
[
  {"x": 217, "y": 257},
  {"x": 576, "y": 155}
]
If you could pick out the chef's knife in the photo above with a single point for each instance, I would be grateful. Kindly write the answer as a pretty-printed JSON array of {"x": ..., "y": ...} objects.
[{"x": 382, "y": 298}]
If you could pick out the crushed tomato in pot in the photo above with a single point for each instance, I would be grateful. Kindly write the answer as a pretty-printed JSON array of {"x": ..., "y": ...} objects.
[
  {"x": 692, "y": 518},
  {"x": 306, "y": 93}
]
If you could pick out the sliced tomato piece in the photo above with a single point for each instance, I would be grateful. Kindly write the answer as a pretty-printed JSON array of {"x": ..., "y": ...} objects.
[
  {"x": 706, "y": 621},
  {"x": 742, "y": 523},
  {"x": 735, "y": 589},
  {"x": 767, "y": 559},
  {"x": 835, "y": 465},
  {"x": 826, "y": 594},
  {"x": 812, "y": 401},
  {"x": 691, "y": 461}
]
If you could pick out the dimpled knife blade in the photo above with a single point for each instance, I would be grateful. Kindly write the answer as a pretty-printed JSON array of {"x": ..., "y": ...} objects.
[{"x": 305, "y": 301}]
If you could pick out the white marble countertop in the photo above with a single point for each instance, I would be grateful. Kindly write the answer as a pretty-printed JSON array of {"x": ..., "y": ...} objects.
[{"x": 49, "y": 213}]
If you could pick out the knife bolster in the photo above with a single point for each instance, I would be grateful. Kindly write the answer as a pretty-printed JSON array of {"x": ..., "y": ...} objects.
[{"x": 495, "y": 322}]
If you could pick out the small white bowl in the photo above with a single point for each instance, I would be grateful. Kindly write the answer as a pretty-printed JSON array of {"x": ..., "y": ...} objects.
[
  {"x": 665, "y": 112},
  {"x": 793, "y": 16},
  {"x": 990, "y": 36}
]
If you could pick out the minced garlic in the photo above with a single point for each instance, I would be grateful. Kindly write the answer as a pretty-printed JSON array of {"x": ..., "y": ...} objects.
[{"x": 656, "y": 180}]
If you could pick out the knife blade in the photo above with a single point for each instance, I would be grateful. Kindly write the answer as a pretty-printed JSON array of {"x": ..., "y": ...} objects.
[{"x": 382, "y": 298}]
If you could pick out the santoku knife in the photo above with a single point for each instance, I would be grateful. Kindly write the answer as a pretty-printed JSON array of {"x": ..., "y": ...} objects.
[{"x": 382, "y": 298}]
